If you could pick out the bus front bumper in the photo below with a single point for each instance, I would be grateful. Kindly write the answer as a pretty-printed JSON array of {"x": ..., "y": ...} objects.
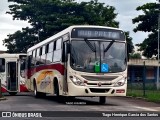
[{"x": 75, "y": 90}]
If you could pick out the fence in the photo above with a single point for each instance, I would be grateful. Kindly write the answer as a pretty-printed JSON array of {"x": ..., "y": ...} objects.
[{"x": 142, "y": 80}]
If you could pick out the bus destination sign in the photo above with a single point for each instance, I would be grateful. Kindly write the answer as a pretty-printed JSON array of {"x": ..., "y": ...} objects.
[{"x": 99, "y": 33}]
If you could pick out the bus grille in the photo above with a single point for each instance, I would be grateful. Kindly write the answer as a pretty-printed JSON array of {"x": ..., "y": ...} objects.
[
  {"x": 99, "y": 78},
  {"x": 95, "y": 90},
  {"x": 101, "y": 83}
]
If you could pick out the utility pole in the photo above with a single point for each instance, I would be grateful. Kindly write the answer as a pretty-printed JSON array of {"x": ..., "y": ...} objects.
[{"x": 158, "y": 44}]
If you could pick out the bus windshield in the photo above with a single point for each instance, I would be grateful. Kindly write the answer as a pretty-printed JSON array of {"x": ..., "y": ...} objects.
[{"x": 94, "y": 55}]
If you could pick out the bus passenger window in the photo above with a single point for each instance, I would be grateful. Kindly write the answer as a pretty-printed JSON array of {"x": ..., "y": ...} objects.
[
  {"x": 50, "y": 53},
  {"x": 57, "y": 53},
  {"x": 33, "y": 58},
  {"x": 47, "y": 48},
  {"x": 50, "y": 47},
  {"x": 40, "y": 52},
  {"x": 43, "y": 50},
  {"x": 43, "y": 56},
  {"x": 54, "y": 47},
  {"x": 2, "y": 65},
  {"x": 59, "y": 44}
]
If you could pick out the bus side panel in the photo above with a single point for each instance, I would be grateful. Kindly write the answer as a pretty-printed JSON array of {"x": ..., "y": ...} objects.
[
  {"x": 44, "y": 77},
  {"x": 27, "y": 79}
]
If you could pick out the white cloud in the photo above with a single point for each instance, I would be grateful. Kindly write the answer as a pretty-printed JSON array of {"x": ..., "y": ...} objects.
[
  {"x": 126, "y": 10},
  {"x": 7, "y": 25}
]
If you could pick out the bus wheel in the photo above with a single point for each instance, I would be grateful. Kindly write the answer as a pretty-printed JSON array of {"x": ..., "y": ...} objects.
[
  {"x": 102, "y": 99},
  {"x": 12, "y": 93},
  {"x": 36, "y": 93},
  {"x": 56, "y": 89}
]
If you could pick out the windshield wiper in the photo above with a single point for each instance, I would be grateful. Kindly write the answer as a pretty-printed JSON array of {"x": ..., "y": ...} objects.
[
  {"x": 90, "y": 45},
  {"x": 110, "y": 44}
]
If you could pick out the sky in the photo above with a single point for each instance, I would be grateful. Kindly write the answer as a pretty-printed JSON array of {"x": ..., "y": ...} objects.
[{"x": 126, "y": 10}]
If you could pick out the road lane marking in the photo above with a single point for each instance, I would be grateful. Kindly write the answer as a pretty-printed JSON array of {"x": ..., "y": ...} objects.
[{"x": 145, "y": 108}]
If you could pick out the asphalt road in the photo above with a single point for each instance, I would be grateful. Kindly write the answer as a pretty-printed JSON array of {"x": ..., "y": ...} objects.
[{"x": 27, "y": 102}]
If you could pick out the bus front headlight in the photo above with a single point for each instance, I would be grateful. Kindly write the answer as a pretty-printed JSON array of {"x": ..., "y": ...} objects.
[
  {"x": 120, "y": 82},
  {"x": 77, "y": 81}
]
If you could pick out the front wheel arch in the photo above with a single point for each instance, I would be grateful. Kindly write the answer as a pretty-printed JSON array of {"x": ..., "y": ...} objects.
[
  {"x": 56, "y": 87},
  {"x": 36, "y": 93}
]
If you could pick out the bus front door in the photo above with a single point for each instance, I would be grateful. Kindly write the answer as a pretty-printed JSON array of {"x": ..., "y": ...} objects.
[{"x": 12, "y": 77}]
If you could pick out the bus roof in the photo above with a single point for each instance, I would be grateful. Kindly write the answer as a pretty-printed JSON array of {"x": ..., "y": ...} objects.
[
  {"x": 67, "y": 30},
  {"x": 8, "y": 55}
]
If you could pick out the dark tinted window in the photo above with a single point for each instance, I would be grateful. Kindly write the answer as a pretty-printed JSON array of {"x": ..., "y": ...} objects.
[
  {"x": 40, "y": 52},
  {"x": 2, "y": 65}
]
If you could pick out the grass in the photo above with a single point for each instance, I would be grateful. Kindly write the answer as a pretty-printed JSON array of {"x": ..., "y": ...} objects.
[{"x": 150, "y": 95}]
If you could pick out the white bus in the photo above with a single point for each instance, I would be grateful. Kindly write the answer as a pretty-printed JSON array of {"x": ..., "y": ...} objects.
[
  {"x": 79, "y": 61},
  {"x": 12, "y": 74}
]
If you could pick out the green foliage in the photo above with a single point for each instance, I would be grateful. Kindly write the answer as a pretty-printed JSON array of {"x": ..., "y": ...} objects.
[
  {"x": 47, "y": 17},
  {"x": 20, "y": 41},
  {"x": 130, "y": 46},
  {"x": 148, "y": 22},
  {"x": 151, "y": 95},
  {"x": 149, "y": 45},
  {"x": 135, "y": 56}
]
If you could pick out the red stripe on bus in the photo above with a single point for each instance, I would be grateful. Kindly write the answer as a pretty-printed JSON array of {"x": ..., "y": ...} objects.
[
  {"x": 3, "y": 89},
  {"x": 58, "y": 67},
  {"x": 23, "y": 88}
]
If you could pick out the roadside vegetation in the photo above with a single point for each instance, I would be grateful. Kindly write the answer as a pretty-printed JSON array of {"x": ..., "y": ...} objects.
[{"x": 149, "y": 92}]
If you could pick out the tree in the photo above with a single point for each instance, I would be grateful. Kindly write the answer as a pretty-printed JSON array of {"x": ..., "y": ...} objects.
[
  {"x": 135, "y": 56},
  {"x": 130, "y": 46},
  {"x": 47, "y": 17},
  {"x": 20, "y": 41},
  {"x": 148, "y": 22}
]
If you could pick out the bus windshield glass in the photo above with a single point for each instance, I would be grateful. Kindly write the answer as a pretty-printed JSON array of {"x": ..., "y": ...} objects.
[{"x": 98, "y": 56}]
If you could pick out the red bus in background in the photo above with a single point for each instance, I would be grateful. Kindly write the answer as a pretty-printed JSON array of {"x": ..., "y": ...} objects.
[{"x": 12, "y": 74}]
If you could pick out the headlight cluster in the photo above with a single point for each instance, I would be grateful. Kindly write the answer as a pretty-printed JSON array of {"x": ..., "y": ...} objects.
[
  {"x": 120, "y": 82},
  {"x": 77, "y": 81}
]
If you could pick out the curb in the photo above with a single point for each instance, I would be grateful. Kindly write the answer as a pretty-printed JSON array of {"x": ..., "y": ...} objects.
[
  {"x": 132, "y": 97},
  {"x": 136, "y": 97},
  {"x": 140, "y": 98}
]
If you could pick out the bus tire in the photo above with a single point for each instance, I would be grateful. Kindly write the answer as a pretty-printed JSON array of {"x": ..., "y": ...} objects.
[
  {"x": 36, "y": 93},
  {"x": 43, "y": 94},
  {"x": 12, "y": 93},
  {"x": 102, "y": 100},
  {"x": 56, "y": 88},
  {"x": 71, "y": 97}
]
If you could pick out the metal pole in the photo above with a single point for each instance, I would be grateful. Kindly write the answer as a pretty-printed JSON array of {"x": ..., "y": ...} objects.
[
  {"x": 158, "y": 55},
  {"x": 144, "y": 78},
  {"x": 158, "y": 50}
]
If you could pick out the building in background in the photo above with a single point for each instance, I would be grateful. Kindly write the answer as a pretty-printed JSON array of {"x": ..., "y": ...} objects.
[{"x": 2, "y": 51}]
